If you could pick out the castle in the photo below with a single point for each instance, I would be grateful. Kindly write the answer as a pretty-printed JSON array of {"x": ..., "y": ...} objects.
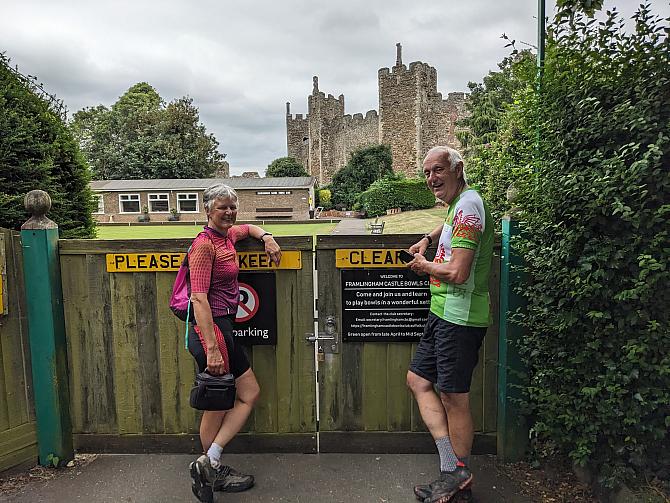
[{"x": 412, "y": 118}]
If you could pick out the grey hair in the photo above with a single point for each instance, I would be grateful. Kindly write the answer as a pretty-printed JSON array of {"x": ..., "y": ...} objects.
[
  {"x": 218, "y": 191},
  {"x": 452, "y": 154}
]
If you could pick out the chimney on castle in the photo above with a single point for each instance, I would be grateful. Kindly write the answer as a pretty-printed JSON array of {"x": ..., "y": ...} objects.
[
  {"x": 398, "y": 54},
  {"x": 315, "y": 82},
  {"x": 288, "y": 108}
]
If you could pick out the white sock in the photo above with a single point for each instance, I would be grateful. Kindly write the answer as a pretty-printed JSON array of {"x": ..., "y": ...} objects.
[{"x": 214, "y": 454}]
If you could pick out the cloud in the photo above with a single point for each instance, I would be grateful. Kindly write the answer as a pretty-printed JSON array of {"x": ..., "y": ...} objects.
[{"x": 241, "y": 61}]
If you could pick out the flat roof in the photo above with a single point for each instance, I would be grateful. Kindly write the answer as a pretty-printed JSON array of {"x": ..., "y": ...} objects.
[{"x": 297, "y": 182}]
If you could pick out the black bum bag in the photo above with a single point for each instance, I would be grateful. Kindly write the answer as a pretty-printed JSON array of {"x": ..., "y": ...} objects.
[{"x": 212, "y": 392}]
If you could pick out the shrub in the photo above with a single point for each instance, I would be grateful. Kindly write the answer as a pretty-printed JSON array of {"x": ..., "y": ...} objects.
[
  {"x": 323, "y": 199},
  {"x": 396, "y": 192}
]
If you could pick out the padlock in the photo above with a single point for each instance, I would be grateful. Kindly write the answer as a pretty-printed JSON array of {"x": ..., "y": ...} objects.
[{"x": 320, "y": 355}]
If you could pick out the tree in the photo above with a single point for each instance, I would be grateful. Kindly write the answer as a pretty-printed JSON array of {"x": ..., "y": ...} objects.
[
  {"x": 285, "y": 166},
  {"x": 365, "y": 166},
  {"x": 491, "y": 130},
  {"x": 141, "y": 137},
  {"x": 37, "y": 151}
]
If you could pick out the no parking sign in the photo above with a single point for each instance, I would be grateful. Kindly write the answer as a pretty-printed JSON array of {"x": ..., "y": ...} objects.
[{"x": 256, "y": 319}]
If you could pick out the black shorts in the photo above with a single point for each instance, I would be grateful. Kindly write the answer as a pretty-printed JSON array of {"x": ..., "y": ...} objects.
[
  {"x": 447, "y": 354},
  {"x": 239, "y": 363}
]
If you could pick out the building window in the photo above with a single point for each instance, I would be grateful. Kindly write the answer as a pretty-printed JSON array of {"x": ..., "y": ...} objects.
[
  {"x": 129, "y": 203},
  {"x": 100, "y": 203},
  {"x": 159, "y": 203},
  {"x": 187, "y": 203},
  {"x": 273, "y": 192}
]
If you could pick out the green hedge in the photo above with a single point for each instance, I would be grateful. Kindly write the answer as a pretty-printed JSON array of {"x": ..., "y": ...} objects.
[
  {"x": 596, "y": 243},
  {"x": 408, "y": 194}
]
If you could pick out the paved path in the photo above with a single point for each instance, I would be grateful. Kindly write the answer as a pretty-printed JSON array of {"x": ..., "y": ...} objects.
[
  {"x": 285, "y": 478},
  {"x": 348, "y": 226}
]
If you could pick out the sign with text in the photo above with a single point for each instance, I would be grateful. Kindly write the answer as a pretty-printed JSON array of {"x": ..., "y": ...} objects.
[
  {"x": 155, "y": 261},
  {"x": 347, "y": 258},
  {"x": 384, "y": 306},
  {"x": 256, "y": 319}
]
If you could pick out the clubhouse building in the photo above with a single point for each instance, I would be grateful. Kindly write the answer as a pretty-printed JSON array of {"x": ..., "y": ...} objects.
[{"x": 125, "y": 201}]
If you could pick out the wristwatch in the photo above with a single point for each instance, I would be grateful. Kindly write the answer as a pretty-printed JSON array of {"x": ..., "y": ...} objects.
[
  {"x": 265, "y": 234},
  {"x": 427, "y": 236}
]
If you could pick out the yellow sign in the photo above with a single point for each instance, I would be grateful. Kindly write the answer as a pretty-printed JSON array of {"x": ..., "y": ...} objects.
[
  {"x": 151, "y": 262},
  {"x": 347, "y": 258}
]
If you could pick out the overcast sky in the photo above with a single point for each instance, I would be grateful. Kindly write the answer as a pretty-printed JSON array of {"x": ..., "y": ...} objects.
[{"x": 241, "y": 61}]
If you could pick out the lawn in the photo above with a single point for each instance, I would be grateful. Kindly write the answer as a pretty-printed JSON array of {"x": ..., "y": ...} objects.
[
  {"x": 189, "y": 231},
  {"x": 412, "y": 222},
  {"x": 407, "y": 222}
]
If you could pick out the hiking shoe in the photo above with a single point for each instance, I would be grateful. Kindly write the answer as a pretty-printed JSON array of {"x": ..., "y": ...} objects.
[
  {"x": 423, "y": 491},
  {"x": 231, "y": 481},
  {"x": 199, "y": 485},
  {"x": 449, "y": 484}
]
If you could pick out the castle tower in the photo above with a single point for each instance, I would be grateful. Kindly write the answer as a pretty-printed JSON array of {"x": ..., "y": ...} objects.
[
  {"x": 325, "y": 126},
  {"x": 403, "y": 104},
  {"x": 297, "y": 137}
]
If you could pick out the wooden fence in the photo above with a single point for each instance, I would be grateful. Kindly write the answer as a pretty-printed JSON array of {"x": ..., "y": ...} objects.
[{"x": 18, "y": 441}]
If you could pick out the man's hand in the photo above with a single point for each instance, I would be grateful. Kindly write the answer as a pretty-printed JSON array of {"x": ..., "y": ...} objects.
[
  {"x": 215, "y": 362},
  {"x": 272, "y": 249},
  {"x": 419, "y": 247},
  {"x": 419, "y": 264}
]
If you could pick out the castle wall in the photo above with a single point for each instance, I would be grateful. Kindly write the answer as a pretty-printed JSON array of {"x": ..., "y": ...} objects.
[
  {"x": 439, "y": 121},
  {"x": 358, "y": 132}
]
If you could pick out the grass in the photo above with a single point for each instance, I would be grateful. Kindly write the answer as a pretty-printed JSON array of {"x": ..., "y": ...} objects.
[
  {"x": 407, "y": 222},
  {"x": 189, "y": 231},
  {"x": 412, "y": 222}
]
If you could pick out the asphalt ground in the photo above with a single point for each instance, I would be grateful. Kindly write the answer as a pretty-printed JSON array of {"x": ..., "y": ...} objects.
[{"x": 296, "y": 478}]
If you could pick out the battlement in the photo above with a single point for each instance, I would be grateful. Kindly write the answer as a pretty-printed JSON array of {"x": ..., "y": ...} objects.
[
  {"x": 297, "y": 117},
  {"x": 457, "y": 96}
]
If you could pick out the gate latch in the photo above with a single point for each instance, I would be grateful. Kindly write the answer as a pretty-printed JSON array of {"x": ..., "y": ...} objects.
[{"x": 329, "y": 340}]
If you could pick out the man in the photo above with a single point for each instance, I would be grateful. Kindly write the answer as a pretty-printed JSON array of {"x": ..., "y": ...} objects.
[{"x": 459, "y": 316}]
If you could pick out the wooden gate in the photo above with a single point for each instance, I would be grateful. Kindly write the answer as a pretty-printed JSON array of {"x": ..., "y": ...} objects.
[
  {"x": 18, "y": 441},
  {"x": 130, "y": 375},
  {"x": 365, "y": 405}
]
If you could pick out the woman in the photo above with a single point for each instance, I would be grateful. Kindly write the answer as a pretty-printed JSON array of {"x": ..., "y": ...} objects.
[{"x": 214, "y": 296}]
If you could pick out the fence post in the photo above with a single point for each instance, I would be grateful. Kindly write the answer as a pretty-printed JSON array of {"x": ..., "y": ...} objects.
[
  {"x": 512, "y": 430},
  {"x": 46, "y": 330}
]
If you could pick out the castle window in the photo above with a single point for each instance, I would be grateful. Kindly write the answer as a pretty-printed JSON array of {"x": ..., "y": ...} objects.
[{"x": 305, "y": 139}]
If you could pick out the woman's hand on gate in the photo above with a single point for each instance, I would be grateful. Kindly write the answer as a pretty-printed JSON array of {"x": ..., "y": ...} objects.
[{"x": 272, "y": 249}]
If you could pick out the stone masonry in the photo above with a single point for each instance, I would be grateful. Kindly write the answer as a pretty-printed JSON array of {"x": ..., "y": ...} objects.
[{"x": 412, "y": 118}]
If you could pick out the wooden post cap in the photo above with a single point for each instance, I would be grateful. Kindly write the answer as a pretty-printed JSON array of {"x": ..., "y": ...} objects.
[{"x": 38, "y": 203}]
